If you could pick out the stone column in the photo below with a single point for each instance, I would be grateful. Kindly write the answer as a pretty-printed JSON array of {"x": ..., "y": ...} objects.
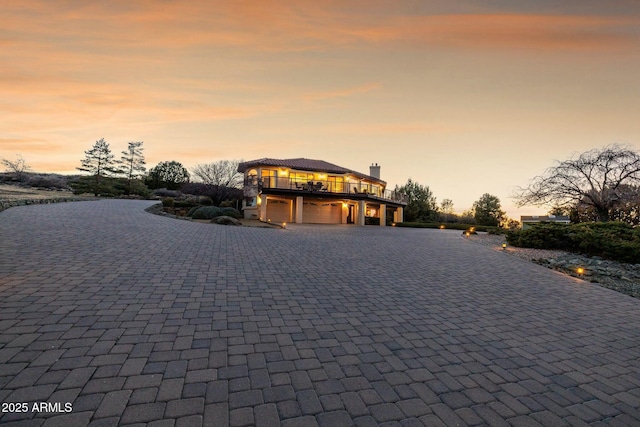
[
  {"x": 383, "y": 215},
  {"x": 299, "y": 207},
  {"x": 263, "y": 207},
  {"x": 398, "y": 216},
  {"x": 361, "y": 212}
]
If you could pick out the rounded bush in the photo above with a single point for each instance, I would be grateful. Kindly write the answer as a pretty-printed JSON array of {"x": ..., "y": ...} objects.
[
  {"x": 207, "y": 212},
  {"x": 206, "y": 201},
  {"x": 192, "y": 210},
  {"x": 232, "y": 212}
]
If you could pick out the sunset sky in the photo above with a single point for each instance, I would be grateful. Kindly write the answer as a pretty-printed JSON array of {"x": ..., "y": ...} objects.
[{"x": 467, "y": 97}]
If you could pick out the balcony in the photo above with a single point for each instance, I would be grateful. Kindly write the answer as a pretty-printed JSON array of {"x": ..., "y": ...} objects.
[{"x": 358, "y": 190}]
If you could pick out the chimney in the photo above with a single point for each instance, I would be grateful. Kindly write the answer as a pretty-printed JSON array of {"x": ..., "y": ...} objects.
[{"x": 374, "y": 170}]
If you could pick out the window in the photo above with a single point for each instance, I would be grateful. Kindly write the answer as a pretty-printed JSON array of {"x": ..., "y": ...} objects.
[
  {"x": 269, "y": 178},
  {"x": 336, "y": 184}
]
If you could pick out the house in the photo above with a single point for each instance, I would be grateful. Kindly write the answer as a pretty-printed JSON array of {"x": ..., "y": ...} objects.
[
  {"x": 528, "y": 221},
  {"x": 314, "y": 191}
]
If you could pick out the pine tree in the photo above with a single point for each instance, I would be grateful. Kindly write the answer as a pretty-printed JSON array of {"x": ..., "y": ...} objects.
[
  {"x": 132, "y": 162},
  {"x": 99, "y": 163}
]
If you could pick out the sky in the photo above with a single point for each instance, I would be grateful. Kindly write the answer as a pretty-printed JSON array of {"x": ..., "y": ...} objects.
[{"x": 466, "y": 97}]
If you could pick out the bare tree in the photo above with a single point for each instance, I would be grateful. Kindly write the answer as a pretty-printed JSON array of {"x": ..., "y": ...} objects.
[
  {"x": 598, "y": 178},
  {"x": 18, "y": 167},
  {"x": 447, "y": 212},
  {"x": 223, "y": 173}
]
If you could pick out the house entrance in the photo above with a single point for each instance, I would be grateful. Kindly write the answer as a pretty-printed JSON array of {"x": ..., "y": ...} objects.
[{"x": 350, "y": 215}]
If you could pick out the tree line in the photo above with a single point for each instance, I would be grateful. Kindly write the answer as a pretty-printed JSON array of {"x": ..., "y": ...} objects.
[
  {"x": 422, "y": 206},
  {"x": 128, "y": 175}
]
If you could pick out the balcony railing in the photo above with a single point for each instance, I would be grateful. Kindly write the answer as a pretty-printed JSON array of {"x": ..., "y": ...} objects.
[{"x": 320, "y": 187}]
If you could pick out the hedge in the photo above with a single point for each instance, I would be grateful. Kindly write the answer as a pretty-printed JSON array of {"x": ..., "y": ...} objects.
[{"x": 616, "y": 240}]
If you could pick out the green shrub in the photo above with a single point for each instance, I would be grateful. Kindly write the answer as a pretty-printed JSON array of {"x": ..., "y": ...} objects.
[
  {"x": 613, "y": 240},
  {"x": 47, "y": 180},
  {"x": 232, "y": 212},
  {"x": 184, "y": 204},
  {"x": 205, "y": 201},
  {"x": 207, "y": 212},
  {"x": 168, "y": 202},
  {"x": 163, "y": 192},
  {"x": 192, "y": 210}
]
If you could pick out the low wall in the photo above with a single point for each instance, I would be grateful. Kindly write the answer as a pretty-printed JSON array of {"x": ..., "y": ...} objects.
[{"x": 6, "y": 204}]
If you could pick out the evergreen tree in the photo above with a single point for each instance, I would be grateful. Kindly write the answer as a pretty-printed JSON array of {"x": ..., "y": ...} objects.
[
  {"x": 487, "y": 210},
  {"x": 99, "y": 163},
  {"x": 132, "y": 163},
  {"x": 170, "y": 175},
  {"x": 421, "y": 203}
]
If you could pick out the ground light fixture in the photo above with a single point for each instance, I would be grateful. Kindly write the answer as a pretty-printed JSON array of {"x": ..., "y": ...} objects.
[
  {"x": 504, "y": 246},
  {"x": 441, "y": 227},
  {"x": 284, "y": 225},
  {"x": 580, "y": 271}
]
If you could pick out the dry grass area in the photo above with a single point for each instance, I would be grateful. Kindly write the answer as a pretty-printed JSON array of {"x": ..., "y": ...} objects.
[{"x": 14, "y": 192}]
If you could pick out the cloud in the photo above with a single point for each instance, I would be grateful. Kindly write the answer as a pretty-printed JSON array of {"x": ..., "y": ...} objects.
[
  {"x": 20, "y": 145},
  {"x": 341, "y": 93},
  {"x": 540, "y": 32},
  {"x": 155, "y": 28},
  {"x": 395, "y": 128}
]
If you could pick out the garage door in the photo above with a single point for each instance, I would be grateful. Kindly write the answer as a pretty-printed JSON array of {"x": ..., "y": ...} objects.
[
  {"x": 322, "y": 213},
  {"x": 278, "y": 210}
]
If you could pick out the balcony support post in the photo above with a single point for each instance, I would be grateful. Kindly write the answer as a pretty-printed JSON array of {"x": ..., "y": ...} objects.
[
  {"x": 383, "y": 214},
  {"x": 299, "y": 208},
  {"x": 263, "y": 207},
  {"x": 398, "y": 215},
  {"x": 361, "y": 212}
]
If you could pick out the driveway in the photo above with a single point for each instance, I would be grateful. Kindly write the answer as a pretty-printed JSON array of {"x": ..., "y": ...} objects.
[{"x": 112, "y": 316}]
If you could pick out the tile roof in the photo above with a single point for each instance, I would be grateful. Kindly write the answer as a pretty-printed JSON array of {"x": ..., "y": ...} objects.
[{"x": 303, "y": 164}]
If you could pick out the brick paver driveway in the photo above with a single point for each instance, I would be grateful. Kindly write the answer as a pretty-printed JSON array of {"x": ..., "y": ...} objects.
[{"x": 133, "y": 318}]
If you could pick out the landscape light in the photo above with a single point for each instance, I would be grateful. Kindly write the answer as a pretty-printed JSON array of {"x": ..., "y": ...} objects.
[
  {"x": 284, "y": 225},
  {"x": 580, "y": 271},
  {"x": 393, "y": 224},
  {"x": 442, "y": 227},
  {"x": 472, "y": 229},
  {"x": 466, "y": 233},
  {"x": 504, "y": 246}
]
